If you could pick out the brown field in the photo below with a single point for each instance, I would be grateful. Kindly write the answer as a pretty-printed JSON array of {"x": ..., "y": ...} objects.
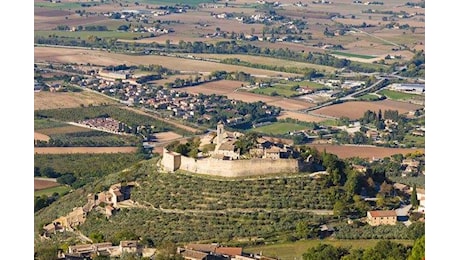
[
  {"x": 44, "y": 184},
  {"x": 300, "y": 116},
  {"x": 41, "y": 137},
  {"x": 72, "y": 150},
  {"x": 173, "y": 39},
  {"x": 52, "y": 100},
  {"x": 291, "y": 104},
  {"x": 63, "y": 130},
  {"x": 355, "y": 110},
  {"x": 166, "y": 136},
  {"x": 44, "y": 22},
  {"x": 221, "y": 87},
  {"x": 348, "y": 151},
  {"x": 69, "y": 55},
  {"x": 267, "y": 61},
  {"x": 171, "y": 79}
]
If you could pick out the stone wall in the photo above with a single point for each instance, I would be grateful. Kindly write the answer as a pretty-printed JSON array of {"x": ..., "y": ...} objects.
[
  {"x": 171, "y": 160},
  {"x": 240, "y": 168}
]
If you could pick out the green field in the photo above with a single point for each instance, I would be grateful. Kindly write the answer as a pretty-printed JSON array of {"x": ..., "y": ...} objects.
[
  {"x": 418, "y": 141},
  {"x": 48, "y": 192},
  {"x": 47, "y": 123},
  {"x": 287, "y": 88},
  {"x": 352, "y": 55},
  {"x": 294, "y": 250},
  {"x": 368, "y": 97},
  {"x": 277, "y": 90},
  {"x": 278, "y": 128},
  {"x": 304, "y": 83},
  {"x": 167, "y": 2},
  {"x": 396, "y": 95},
  {"x": 86, "y": 34},
  {"x": 63, "y": 6}
]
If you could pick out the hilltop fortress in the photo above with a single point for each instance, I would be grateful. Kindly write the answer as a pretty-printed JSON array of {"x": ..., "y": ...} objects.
[{"x": 264, "y": 157}]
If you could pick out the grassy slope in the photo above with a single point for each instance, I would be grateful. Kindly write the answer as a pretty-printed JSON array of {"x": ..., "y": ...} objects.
[{"x": 294, "y": 250}]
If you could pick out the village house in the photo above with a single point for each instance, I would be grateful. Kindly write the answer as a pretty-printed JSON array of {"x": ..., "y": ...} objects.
[
  {"x": 381, "y": 217},
  {"x": 107, "y": 249}
]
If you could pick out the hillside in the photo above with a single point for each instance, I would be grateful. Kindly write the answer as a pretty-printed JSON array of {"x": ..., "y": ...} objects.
[{"x": 181, "y": 207}]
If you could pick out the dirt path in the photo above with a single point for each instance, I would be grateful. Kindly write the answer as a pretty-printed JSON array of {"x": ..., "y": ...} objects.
[{"x": 147, "y": 205}]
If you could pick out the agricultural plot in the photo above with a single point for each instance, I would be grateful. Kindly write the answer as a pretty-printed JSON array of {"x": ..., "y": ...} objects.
[
  {"x": 277, "y": 90},
  {"x": 295, "y": 250},
  {"x": 69, "y": 55},
  {"x": 221, "y": 87},
  {"x": 42, "y": 183},
  {"x": 266, "y": 61},
  {"x": 352, "y": 55},
  {"x": 278, "y": 128},
  {"x": 88, "y": 34},
  {"x": 41, "y": 137},
  {"x": 368, "y": 152},
  {"x": 400, "y": 96},
  {"x": 61, "y": 189},
  {"x": 301, "y": 116},
  {"x": 63, "y": 130},
  {"x": 355, "y": 110},
  {"x": 83, "y": 150},
  {"x": 52, "y": 100}
]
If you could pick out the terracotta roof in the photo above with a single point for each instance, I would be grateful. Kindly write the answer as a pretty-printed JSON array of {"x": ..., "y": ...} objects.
[
  {"x": 231, "y": 251},
  {"x": 382, "y": 213}
]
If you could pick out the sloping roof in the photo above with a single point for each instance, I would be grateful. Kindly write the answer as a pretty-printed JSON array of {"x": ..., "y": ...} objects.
[
  {"x": 129, "y": 243},
  {"x": 227, "y": 147},
  {"x": 218, "y": 156},
  {"x": 382, "y": 213},
  {"x": 273, "y": 149},
  {"x": 261, "y": 140},
  {"x": 201, "y": 247},
  {"x": 192, "y": 254},
  {"x": 231, "y": 251}
]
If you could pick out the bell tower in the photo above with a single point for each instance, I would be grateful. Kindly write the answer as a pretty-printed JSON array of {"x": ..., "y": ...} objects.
[{"x": 220, "y": 132}]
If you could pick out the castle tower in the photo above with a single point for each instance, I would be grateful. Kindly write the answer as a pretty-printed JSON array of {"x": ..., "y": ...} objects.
[{"x": 220, "y": 133}]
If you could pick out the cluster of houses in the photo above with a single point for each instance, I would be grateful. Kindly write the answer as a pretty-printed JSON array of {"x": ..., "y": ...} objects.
[
  {"x": 107, "y": 124},
  {"x": 107, "y": 249},
  {"x": 226, "y": 149},
  {"x": 192, "y": 251},
  {"x": 105, "y": 202},
  {"x": 217, "y": 252}
]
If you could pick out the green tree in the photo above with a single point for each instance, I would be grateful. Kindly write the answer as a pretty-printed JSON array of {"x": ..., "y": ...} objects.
[
  {"x": 418, "y": 251},
  {"x": 416, "y": 230},
  {"x": 413, "y": 197},
  {"x": 339, "y": 209},
  {"x": 386, "y": 249},
  {"x": 325, "y": 252}
]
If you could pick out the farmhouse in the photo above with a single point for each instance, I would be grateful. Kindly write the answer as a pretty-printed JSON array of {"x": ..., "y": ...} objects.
[{"x": 381, "y": 217}]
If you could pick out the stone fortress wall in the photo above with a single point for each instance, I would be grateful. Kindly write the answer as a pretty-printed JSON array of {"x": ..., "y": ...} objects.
[
  {"x": 225, "y": 160},
  {"x": 230, "y": 168}
]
